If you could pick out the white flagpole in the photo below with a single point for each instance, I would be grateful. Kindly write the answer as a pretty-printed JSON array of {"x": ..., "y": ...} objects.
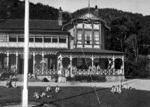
[{"x": 26, "y": 55}]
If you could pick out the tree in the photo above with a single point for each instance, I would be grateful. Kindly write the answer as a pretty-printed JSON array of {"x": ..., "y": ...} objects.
[{"x": 121, "y": 28}]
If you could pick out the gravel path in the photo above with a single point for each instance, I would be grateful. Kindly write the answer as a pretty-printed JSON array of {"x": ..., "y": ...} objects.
[{"x": 139, "y": 84}]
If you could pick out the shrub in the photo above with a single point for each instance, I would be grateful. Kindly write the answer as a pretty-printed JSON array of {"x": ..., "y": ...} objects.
[
  {"x": 45, "y": 80},
  {"x": 88, "y": 78},
  {"x": 137, "y": 68},
  {"x": 5, "y": 75},
  {"x": 55, "y": 76}
]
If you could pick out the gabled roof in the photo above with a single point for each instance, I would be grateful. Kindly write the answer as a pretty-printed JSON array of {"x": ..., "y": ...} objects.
[
  {"x": 33, "y": 24},
  {"x": 86, "y": 16}
]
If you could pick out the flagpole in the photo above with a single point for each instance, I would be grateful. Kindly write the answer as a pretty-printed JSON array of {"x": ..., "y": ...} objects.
[{"x": 26, "y": 55}]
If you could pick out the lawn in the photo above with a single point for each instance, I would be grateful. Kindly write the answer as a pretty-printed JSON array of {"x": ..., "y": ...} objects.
[{"x": 79, "y": 97}]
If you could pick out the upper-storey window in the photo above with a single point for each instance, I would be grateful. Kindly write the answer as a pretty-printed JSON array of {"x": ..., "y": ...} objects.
[
  {"x": 20, "y": 39},
  {"x": 62, "y": 40},
  {"x": 79, "y": 36},
  {"x": 47, "y": 39},
  {"x": 88, "y": 37},
  {"x": 96, "y": 37},
  {"x": 38, "y": 39},
  {"x": 13, "y": 38},
  {"x": 31, "y": 39},
  {"x": 3, "y": 37},
  {"x": 54, "y": 40}
]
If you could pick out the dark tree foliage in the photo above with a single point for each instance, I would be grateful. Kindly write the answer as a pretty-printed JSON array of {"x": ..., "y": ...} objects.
[{"x": 14, "y": 9}]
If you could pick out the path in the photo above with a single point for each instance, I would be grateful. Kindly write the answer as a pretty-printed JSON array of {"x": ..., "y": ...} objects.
[{"x": 139, "y": 84}]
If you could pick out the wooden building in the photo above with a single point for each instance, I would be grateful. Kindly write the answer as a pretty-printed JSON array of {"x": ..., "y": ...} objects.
[{"x": 78, "y": 46}]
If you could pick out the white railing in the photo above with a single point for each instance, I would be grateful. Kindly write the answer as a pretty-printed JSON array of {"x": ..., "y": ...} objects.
[
  {"x": 34, "y": 45},
  {"x": 98, "y": 72},
  {"x": 116, "y": 72}
]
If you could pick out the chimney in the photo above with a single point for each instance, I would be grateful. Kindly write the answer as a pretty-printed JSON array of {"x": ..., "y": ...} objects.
[
  {"x": 60, "y": 17},
  {"x": 96, "y": 11}
]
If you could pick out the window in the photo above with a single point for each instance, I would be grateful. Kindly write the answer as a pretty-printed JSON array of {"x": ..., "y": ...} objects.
[
  {"x": 79, "y": 63},
  {"x": 3, "y": 37},
  {"x": 12, "y": 39},
  {"x": 20, "y": 39},
  {"x": 79, "y": 36},
  {"x": 47, "y": 39},
  {"x": 31, "y": 39},
  {"x": 54, "y": 40},
  {"x": 88, "y": 37},
  {"x": 62, "y": 40},
  {"x": 38, "y": 39},
  {"x": 96, "y": 37}
]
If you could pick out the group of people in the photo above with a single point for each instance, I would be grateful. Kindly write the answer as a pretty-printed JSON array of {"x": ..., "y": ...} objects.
[
  {"x": 12, "y": 82},
  {"x": 32, "y": 76},
  {"x": 47, "y": 92},
  {"x": 118, "y": 88}
]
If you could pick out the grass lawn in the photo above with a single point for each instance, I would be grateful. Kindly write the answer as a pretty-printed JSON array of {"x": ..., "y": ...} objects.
[{"x": 79, "y": 97}]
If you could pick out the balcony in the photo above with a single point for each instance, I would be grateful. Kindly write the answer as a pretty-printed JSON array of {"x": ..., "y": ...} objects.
[{"x": 33, "y": 45}]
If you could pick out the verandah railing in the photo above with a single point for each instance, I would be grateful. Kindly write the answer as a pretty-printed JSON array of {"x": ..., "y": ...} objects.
[
  {"x": 75, "y": 71},
  {"x": 98, "y": 72}
]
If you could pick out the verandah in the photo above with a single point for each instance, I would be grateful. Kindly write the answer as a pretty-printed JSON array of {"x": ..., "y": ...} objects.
[
  {"x": 99, "y": 64},
  {"x": 69, "y": 64}
]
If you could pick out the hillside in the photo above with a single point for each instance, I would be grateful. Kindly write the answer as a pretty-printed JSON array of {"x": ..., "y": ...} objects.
[{"x": 109, "y": 14}]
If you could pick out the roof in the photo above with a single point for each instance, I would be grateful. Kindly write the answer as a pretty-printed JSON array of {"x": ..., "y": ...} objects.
[
  {"x": 37, "y": 50},
  {"x": 86, "y": 16},
  {"x": 33, "y": 24},
  {"x": 93, "y": 50},
  {"x": 57, "y": 50}
]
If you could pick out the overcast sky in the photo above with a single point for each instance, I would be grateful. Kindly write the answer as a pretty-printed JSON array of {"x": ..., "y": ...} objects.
[{"x": 134, "y": 6}]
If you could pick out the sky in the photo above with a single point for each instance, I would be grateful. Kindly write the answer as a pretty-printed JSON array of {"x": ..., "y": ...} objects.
[{"x": 134, "y": 6}]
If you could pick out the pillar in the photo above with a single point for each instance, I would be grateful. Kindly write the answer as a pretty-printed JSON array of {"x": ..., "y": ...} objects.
[
  {"x": 33, "y": 62},
  {"x": 113, "y": 64},
  {"x": 122, "y": 65},
  {"x": 75, "y": 36},
  {"x": 93, "y": 36},
  {"x": 83, "y": 36},
  {"x": 7, "y": 60},
  {"x": 92, "y": 59},
  {"x": 59, "y": 64},
  {"x": 42, "y": 62},
  {"x": 70, "y": 72},
  {"x": 100, "y": 37},
  {"x": 17, "y": 61}
]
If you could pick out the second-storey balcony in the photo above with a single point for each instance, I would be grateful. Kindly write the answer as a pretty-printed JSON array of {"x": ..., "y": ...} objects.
[{"x": 34, "y": 45}]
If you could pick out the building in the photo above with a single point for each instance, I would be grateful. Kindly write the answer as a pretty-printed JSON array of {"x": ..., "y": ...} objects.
[{"x": 78, "y": 46}]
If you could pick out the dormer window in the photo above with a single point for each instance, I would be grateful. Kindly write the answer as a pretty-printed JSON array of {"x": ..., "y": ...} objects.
[
  {"x": 96, "y": 37},
  {"x": 88, "y": 37},
  {"x": 79, "y": 36}
]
